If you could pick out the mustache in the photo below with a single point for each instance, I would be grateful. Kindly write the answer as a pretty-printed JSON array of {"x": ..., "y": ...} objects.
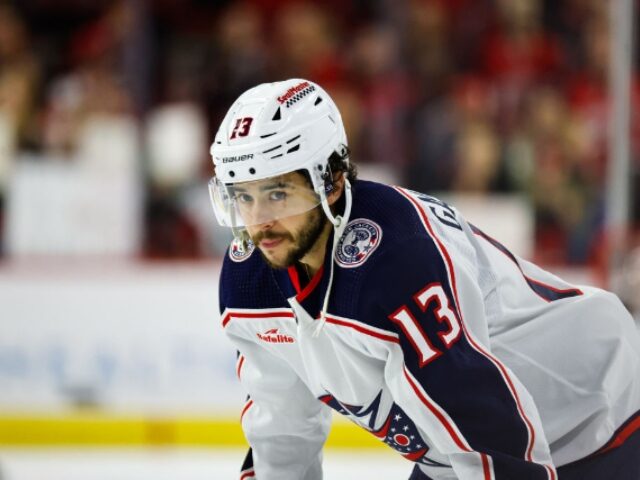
[{"x": 268, "y": 235}]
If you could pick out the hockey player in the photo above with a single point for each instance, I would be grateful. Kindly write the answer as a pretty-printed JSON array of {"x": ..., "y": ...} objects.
[{"x": 387, "y": 306}]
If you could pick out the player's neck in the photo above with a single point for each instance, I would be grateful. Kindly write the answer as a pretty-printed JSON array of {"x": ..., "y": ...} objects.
[{"x": 314, "y": 258}]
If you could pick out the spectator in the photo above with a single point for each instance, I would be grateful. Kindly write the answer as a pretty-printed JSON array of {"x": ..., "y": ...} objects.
[{"x": 19, "y": 83}]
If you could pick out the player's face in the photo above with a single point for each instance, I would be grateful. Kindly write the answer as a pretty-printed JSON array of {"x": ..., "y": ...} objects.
[{"x": 287, "y": 240}]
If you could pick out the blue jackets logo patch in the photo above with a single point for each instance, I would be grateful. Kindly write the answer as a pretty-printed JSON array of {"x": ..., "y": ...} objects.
[
  {"x": 360, "y": 238},
  {"x": 237, "y": 254}
]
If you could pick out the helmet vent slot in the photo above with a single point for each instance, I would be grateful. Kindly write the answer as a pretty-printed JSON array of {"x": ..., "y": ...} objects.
[
  {"x": 277, "y": 156},
  {"x": 277, "y": 116},
  {"x": 318, "y": 100},
  {"x": 267, "y": 135},
  {"x": 272, "y": 149},
  {"x": 293, "y": 139},
  {"x": 295, "y": 148}
]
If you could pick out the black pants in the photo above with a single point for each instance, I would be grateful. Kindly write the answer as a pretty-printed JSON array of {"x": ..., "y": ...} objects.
[{"x": 622, "y": 463}]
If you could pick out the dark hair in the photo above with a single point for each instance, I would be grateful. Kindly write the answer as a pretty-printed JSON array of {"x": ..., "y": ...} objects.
[{"x": 338, "y": 162}]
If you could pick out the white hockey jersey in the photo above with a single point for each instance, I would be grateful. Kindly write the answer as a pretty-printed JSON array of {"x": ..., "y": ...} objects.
[{"x": 463, "y": 357}]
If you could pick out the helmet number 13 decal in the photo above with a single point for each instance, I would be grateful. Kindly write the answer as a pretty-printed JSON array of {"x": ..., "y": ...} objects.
[
  {"x": 241, "y": 129},
  {"x": 430, "y": 297}
]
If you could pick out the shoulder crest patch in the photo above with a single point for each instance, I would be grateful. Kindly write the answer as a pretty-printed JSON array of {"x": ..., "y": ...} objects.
[
  {"x": 360, "y": 238},
  {"x": 237, "y": 254}
]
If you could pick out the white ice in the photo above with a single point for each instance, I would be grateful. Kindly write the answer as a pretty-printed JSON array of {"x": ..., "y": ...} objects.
[{"x": 179, "y": 464}]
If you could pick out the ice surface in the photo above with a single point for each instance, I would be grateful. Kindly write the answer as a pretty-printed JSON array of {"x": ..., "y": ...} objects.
[{"x": 179, "y": 464}]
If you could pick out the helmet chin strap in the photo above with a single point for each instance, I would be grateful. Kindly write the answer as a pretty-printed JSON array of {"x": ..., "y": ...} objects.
[
  {"x": 337, "y": 219},
  {"x": 239, "y": 234},
  {"x": 339, "y": 224}
]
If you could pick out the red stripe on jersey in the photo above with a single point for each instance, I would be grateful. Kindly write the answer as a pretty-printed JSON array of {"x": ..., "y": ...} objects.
[
  {"x": 438, "y": 415},
  {"x": 294, "y": 277},
  {"x": 311, "y": 286},
  {"x": 247, "y": 474},
  {"x": 572, "y": 291},
  {"x": 246, "y": 407},
  {"x": 276, "y": 314},
  {"x": 362, "y": 329},
  {"x": 447, "y": 258},
  {"x": 556, "y": 289},
  {"x": 486, "y": 468},
  {"x": 239, "y": 367},
  {"x": 382, "y": 433},
  {"x": 624, "y": 433},
  {"x": 302, "y": 293},
  {"x": 415, "y": 455},
  {"x": 552, "y": 472}
]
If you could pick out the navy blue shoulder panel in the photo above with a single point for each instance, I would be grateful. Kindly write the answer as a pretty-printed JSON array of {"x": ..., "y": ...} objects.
[
  {"x": 398, "y": 221},
  {"x": 249, "y": 284},
  {"x": 388, "y": 208}
]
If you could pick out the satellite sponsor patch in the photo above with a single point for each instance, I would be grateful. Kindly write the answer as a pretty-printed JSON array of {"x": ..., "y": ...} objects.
[
  {"x": 237, "y": 253},
  {"x": 360, "y": 238}
]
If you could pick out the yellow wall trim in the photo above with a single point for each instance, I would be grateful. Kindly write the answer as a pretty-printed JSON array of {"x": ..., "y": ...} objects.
[{"x": 109, "y": 430}]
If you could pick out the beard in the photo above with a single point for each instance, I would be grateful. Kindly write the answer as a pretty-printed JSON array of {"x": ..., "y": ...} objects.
[{"x": 302, "y": 241}]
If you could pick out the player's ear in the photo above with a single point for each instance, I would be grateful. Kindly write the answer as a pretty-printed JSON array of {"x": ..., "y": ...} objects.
[{"x": 338, "y": 187}]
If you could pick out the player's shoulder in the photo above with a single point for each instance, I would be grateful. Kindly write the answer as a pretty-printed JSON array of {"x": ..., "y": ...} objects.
[
  {"x": 385, "y": 239},
  {"x": 385, "y": 221},
  {"x": 386, "y": 206},
  {"x": 246, "y": 280}
]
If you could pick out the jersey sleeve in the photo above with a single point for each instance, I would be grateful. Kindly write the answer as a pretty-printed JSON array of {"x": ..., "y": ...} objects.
[
  {"x": 285, "y": 425},
  {"x": 443, "y": 375},
  {"x": 283, "y": 422}
]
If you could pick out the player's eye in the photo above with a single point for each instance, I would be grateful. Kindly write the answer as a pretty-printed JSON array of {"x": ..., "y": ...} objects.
[
  {"x": 277, "y": 195},
  {"x": 244, "y": 198}
]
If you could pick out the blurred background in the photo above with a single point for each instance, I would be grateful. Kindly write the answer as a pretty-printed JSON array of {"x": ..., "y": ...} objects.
[{"x": 523, "y": 113}]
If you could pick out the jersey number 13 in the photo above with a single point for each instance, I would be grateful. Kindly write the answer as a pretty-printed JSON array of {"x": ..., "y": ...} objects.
[{"x": 431, "y": 294}]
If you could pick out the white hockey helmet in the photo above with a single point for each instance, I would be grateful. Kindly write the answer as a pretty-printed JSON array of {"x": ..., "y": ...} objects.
[{"x": 270, "y": 131}]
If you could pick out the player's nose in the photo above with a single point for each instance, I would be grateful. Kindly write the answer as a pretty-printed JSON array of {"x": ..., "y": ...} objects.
[
  {"x": 263, "y": 227},
  {"x": 260, "y": 214}
]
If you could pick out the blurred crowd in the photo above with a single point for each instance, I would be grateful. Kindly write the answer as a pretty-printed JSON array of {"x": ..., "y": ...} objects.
[{"x": 478, "y": 96}]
